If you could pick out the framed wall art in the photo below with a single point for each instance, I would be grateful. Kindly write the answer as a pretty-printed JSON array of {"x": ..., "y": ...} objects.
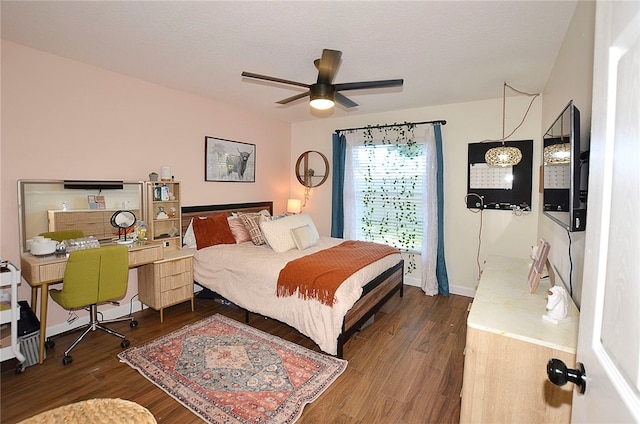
[
  {"x": 227, "y": 160},
  {"x": 540, "y": 261}
]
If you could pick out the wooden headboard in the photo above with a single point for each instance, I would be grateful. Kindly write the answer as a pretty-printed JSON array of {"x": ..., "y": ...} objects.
[{"x": 189, "y": 212}]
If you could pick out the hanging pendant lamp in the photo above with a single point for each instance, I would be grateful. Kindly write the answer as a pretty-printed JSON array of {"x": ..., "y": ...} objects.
[
  {"x": 557, "y": 154},
  {"x": 506, "y": 155},
  {"x": 503, "y": 156}
]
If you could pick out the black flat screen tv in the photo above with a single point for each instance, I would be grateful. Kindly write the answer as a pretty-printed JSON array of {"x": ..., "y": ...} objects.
[{"x": 565, "y": 168}]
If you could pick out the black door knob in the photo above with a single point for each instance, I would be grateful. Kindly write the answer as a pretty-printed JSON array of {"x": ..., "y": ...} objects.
[{"x": 559, "y": 374}]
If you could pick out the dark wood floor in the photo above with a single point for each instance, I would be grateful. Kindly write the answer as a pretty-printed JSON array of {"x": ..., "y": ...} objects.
[{"x": 404, "y": 368}]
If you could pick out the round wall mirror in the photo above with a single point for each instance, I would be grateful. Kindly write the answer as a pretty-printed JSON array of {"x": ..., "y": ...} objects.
[{"x": 312, "y": 169}]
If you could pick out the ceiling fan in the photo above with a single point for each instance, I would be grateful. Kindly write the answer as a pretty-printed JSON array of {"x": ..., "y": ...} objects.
[{"x": 324, "y": 93}]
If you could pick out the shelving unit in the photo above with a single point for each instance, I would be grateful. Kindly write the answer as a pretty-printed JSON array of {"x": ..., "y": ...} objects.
[
  {"x": 163, "y": 227},
  {"x": 11, "y": 279}
]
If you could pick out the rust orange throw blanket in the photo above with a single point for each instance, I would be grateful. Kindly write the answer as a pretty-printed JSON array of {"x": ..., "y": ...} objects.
[{"x": 318, "y": 276}]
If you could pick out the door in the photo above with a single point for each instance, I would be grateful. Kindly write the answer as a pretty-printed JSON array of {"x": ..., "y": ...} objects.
[{"x": 609, "y": 334}]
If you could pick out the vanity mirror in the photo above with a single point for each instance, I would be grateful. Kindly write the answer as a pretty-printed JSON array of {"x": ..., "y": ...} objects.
[
  {"x": 56, "y": 205},
  {"x": 312, "y": 169}
]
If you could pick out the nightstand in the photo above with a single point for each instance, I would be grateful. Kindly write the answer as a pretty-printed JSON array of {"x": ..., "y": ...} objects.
[{"x": 168, "y": 281}]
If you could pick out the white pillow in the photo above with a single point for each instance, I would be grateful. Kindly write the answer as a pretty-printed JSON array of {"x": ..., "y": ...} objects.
[
  {"x": 278, "y": 232},
  {"x": 189, "y": 238},
  {"x": 304, "y": 237}
]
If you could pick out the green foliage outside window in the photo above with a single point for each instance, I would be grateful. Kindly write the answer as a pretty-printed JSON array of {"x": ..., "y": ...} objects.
[{"x": 392, "y": 199}]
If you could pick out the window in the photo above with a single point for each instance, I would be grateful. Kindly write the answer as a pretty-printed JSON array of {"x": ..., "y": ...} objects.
[{"x": 388, "y": 185}]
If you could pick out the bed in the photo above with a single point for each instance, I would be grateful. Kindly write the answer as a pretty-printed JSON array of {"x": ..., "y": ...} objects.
[{"x": 252, "y": 285}]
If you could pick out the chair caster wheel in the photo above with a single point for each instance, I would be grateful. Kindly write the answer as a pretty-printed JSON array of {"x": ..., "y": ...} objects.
[
  {"x": 67, "y": 360},
  {"x": 125, "y": 344},
  {"x": 49, "y": 344},
  {"x": 20, "y": 368},
  {"x": 133, "y": 324}
]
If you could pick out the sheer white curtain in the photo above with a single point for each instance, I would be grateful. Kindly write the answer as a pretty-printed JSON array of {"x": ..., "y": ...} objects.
[
  {"x": 354, "y": 139},
  {"x": 353, "y": 214},
  {"x": 429, "y": 282}
]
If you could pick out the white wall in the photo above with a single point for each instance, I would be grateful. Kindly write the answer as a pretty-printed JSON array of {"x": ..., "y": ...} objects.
[
  {"x": 571, "y": 78},
  {"x": 503, "y": 232},
  {"x": 62, "y": 119}
]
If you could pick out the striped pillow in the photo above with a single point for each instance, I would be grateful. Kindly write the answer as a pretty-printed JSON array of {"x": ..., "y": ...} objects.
[{"x": 252, "y": 224}]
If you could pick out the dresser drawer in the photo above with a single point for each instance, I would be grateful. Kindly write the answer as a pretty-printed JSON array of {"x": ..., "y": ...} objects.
[
  {"x": 95, "y": 223},
  {"x": 175, "y": 267},
  {"x": 176, "y": 295},
  {"x": 176, "y": 281},
  {"x": 51, "y": 272},
  {"x": 93, "y": 228},
  {"x": 89, "y": 222},
  {"x": 150, "y": 253}
]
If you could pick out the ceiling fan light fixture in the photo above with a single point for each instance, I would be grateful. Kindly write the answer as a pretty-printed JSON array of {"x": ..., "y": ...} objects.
[
  {"x": 321, "y": 96},
  {"x": 321, "y": 104}
]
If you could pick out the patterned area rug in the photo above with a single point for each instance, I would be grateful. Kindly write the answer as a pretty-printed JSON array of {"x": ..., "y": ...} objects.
[{"x": 227, "y": 372}]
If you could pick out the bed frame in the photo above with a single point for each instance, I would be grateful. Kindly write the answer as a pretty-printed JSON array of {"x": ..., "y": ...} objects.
[{"x": 374, "y": 294}]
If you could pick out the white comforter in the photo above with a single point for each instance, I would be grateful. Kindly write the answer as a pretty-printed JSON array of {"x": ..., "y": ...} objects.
[{"x": 247, "y": 275}]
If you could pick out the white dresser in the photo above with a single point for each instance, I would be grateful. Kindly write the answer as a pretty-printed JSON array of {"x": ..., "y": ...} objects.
[{"x": 508, "y": 347}]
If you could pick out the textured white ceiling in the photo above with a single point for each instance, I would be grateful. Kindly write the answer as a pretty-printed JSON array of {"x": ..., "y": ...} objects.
[{"x": 446, "y": 51}]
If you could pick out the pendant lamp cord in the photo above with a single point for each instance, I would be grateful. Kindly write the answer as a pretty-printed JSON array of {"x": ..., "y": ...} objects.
[{"x": 504, "y": 108}]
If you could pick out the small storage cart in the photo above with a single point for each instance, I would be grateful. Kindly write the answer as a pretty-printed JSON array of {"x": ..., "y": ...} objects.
[{"x": 10, "y": 278}]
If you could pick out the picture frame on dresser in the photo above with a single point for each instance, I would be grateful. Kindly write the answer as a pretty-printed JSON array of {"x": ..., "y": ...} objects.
[
  {"x": 540, "y": 260},
  {"x": 229, "y": 161}
]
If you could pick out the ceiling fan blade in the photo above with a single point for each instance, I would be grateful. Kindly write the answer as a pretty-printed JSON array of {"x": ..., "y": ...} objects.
[
  {"x": 344, "y": 101},
  {"x": 369, "y": 84},
  {"x": 273, "y": 79},
  {"x": 328, "y": 66},
  {"x": 293, "y": 98}
]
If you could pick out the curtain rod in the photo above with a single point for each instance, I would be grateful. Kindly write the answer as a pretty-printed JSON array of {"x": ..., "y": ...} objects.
[{"x": 442, "y": 121}]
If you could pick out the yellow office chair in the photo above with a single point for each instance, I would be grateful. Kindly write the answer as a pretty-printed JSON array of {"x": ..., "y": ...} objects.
[
  {"x": 63, "y": 235},
  {"x": 94, "y": 276}
]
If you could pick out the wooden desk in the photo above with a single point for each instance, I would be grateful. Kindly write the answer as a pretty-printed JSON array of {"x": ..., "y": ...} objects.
[{"x": 40, "y": 272}]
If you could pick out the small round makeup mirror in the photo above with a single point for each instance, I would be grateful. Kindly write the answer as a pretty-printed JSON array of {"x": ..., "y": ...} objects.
[{"x": 123, "y": 221}]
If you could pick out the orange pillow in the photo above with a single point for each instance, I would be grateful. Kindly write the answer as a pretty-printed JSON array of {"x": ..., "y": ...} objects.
[{"x": 212, "y": 230}]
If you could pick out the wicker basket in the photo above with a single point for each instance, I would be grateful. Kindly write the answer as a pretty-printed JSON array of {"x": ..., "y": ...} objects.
[{"x": 95, "y": 411}]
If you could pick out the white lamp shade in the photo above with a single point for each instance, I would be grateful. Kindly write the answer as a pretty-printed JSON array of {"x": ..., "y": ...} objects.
[
  {"x": 165, "y": 173},
  {"x": 294, "y": 206}
]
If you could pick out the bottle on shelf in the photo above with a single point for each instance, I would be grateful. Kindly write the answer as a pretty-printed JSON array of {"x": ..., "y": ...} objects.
[
  {"x": 141, "y": 231},
  {"x": 164, "y": 193}
]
